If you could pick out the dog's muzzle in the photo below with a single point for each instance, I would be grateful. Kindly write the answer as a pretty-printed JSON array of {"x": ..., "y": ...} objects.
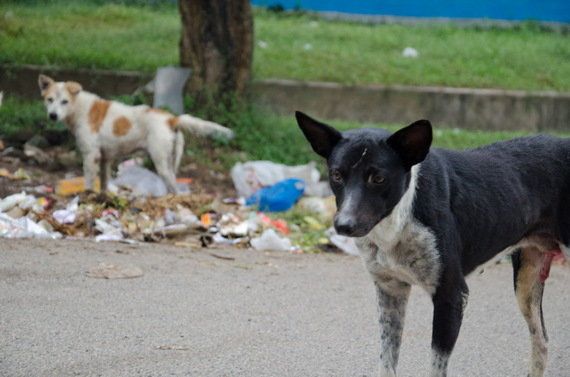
[{"x": 345, "y": 226}]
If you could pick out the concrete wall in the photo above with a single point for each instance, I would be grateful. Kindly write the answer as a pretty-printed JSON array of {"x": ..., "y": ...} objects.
[
  {"x": 23, "y": 80},
  {"x": 484, "y": 109}
]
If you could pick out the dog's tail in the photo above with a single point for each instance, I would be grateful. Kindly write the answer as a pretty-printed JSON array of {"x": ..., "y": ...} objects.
[{"x": 203, "y": 127}]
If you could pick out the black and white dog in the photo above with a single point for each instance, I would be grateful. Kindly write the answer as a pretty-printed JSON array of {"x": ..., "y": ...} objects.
[{"x": 430, "y": 217}]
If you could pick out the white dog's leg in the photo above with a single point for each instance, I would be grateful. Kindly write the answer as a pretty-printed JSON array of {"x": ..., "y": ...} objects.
[
  {"x": 178, "y": 150},
  {"x": 91, "y": 161},
  {"x": 164, "y": 163}
]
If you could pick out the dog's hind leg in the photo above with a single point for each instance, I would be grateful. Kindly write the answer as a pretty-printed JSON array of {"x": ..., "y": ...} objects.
[
  {"x": 178, "y": 150},
  {"x": 529, "y": 286},
  {"x": 392, "y": 299},
  {"x": 449, "y": 303},
  {"x": 164, "y": 163}
]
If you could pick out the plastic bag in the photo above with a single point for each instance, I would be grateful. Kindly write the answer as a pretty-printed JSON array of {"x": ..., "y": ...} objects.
[
  {"x": 251, "y": 176},
  {"x": 69, "y": 214},
  {"x": 143, "y": 182},
  {"x": 269, "y": 240},
  {"x": 12, "y": 201},
  {"x": 23, "y": 228},
  {"x": 279, "y": 197},
  {"x": 110, "y": 229}
]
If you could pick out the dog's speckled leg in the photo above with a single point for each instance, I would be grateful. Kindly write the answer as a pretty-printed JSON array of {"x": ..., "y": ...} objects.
[
  {"x": 392, "y": 300},
  {"x": 439, "y": 362}
]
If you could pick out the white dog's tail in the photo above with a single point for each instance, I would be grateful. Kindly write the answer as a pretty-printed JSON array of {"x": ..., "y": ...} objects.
[{"x": 203, "y": 127}]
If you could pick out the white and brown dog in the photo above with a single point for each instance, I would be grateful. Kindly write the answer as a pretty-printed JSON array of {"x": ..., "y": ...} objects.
[{"x": 104, "y": 130}]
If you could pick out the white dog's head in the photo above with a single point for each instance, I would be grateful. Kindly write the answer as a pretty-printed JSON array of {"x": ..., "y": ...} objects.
[{"x": 59, "y": 97}]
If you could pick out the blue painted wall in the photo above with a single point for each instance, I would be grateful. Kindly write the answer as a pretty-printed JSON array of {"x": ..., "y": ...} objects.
[{"x": 542, "y": 10}]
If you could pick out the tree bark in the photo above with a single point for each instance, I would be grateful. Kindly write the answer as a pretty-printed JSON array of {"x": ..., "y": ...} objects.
[{"x": 217, "y": 44}]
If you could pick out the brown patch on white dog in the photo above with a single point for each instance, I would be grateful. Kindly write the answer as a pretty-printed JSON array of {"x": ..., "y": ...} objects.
[
  {"x": 121, "y": 126},
  {"x": 97, "y": 114},
  {"x": 173, "y": 122}
]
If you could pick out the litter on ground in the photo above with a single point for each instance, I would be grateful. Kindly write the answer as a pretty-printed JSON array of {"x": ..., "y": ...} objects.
[{"x": 277, "y": 208}]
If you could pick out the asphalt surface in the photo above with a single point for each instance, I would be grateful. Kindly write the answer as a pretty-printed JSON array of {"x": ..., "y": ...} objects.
[{"x": 262, "y": 314}]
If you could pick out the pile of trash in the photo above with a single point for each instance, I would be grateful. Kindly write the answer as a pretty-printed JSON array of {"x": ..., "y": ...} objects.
[{"x": 278, "y": 208}]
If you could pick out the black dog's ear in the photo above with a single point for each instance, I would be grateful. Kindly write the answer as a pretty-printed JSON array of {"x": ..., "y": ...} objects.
[
  {"x": 322, "y": 137},
  {"x": 412, "y": 143}
]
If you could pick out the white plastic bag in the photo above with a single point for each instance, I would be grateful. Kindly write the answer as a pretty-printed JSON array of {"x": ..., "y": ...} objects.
[
  {"x": 248, "y": 177},
  {"x": 143, "y": 182},
  {"x": 23, "y": 228},
  {"x": 269, "y": 240},
  {"x": 69, "y": 214},
  {"x": 11, "y": 201}
]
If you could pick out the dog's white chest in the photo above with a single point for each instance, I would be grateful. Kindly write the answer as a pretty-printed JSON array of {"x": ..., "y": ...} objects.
[{"x": 410, "y": 256}]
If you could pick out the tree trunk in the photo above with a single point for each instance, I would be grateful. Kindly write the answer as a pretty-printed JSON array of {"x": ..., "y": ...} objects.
[{"x": 217, "y": 44}]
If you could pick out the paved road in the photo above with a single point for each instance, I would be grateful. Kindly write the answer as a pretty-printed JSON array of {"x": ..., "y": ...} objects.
[{"x": 262, "y": 314}]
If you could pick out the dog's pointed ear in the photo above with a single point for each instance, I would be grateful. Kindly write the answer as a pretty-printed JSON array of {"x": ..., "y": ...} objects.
[
  {"x": 322, "y": 137},
  {"x": 412, "y": 143},
  {"x": 73, "y": 87},
  {"x": 45, "y": 82}
]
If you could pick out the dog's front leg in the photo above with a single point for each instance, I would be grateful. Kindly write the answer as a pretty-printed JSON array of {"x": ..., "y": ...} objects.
[
  {"x": 105, "y": 171},
  {"x": 91, "y": 161},
  {"x": 392, "y": 299},
  {"x": 449, "y": 303}
]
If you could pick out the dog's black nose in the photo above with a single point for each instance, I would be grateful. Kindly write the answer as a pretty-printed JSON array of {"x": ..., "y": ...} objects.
[
  {"x": 53, "y": 116},
  {"x": 345, "y": 227}
]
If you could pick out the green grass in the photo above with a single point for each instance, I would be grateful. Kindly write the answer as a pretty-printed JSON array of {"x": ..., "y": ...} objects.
[
  {"x": 358, "y": 54},
  {"x": 114, "y": 36},
  {"x": 279, "y": 138},
  {"x": 89, "y": 36},
  {"x": 261, "y": 135}
]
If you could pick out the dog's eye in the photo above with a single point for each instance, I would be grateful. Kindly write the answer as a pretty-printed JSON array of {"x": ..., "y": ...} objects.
[
  {"x": 64, "y": 102},
  {"x": 50, "y": 100},
  {"x": 376, "y": 179},
  {"x": 335, "y": 176}
]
